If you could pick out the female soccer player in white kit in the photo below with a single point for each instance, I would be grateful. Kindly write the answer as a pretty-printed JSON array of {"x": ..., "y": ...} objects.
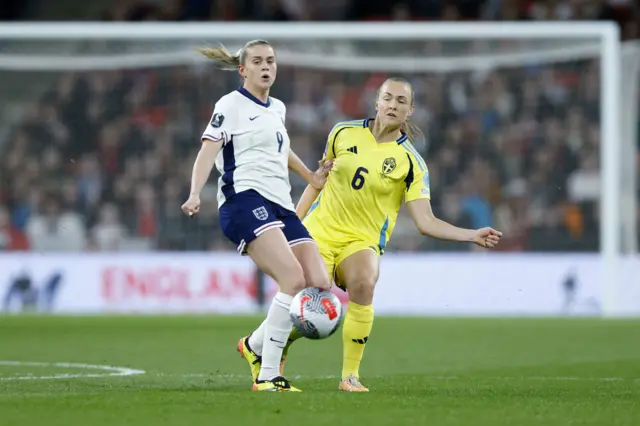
[{"x": 248, "y": 142}]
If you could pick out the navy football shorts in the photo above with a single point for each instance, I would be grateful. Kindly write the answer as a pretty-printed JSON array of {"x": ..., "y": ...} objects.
[{"x": 246, "y": 215}]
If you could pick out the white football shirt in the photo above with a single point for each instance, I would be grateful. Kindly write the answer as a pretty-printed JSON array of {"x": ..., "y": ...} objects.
[{"x": 255, "y": 152}]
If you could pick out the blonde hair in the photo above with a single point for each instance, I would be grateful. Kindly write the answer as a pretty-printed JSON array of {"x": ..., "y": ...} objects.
[
  {"x": 412, "y": 130},
  {"x": 226, "y": 60}
]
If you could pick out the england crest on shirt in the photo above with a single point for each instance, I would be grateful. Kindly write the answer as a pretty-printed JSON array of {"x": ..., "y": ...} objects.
[{"x": 261, "y": 213}]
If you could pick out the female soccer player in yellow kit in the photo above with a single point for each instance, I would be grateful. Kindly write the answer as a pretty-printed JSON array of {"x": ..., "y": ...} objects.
[{"x": 352, "y": 218}]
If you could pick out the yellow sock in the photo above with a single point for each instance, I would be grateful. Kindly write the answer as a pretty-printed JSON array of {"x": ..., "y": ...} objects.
[
  {"x": 355, "y": 333},
  {"x": 295, "y": 335}
]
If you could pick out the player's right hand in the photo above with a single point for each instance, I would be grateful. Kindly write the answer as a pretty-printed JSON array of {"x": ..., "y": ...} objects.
[{"x": 192, "y": 205}]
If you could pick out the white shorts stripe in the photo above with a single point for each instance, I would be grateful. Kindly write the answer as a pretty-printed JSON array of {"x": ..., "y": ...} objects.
[
  {"x": 300, "y": 241},
  {"x": 263, "y": 228}
]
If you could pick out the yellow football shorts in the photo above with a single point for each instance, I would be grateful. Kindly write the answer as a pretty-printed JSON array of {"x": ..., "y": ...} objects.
[{"x": 333, "y": 253}]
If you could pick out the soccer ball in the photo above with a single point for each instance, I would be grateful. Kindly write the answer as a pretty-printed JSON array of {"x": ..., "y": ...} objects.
[{"x": 316, "y": 313}]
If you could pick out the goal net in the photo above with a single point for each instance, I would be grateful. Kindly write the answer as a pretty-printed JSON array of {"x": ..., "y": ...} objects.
[{"x": 525, "y": 127}]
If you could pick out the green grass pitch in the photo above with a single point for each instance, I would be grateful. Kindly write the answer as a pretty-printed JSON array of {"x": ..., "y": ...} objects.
[{"x": 457, "y": 372}]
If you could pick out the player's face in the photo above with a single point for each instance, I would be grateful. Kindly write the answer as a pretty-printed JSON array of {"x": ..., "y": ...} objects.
[
  {"x": 394, "y": 104},
  {"x": 260, "y": 67}
]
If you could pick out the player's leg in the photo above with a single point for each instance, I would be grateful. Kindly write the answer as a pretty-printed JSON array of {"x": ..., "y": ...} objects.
[
  {"x": 249, "y": 221},
  {"x": 312, "y": 263},
  {"x": 304, "y": 253},
  {"x": 327, "y": 256},
  {"x": 316, "y": 266},
  {"x": 254, "y": 341},
  {"x": 304, "y": 248},
  {"x": 271, "y": 253},
  {"x": 308, "y": 255},
  {"x": 358, "y": 272}
]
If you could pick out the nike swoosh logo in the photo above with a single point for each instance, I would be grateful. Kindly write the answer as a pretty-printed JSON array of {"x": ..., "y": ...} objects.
[
  {"x": 276, "y": 341},
  {"x": 253, "y": 118}
]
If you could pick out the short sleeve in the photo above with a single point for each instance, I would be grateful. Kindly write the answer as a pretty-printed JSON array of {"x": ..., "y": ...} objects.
[
  {"x": 333, "y": 142},
  {"x": 330, "y": 148},
  {"x": 418, "y": 187},
  {"x": 223, "y": 122}
]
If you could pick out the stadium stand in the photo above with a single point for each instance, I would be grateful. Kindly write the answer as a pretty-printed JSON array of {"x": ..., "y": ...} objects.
[{"x": 102, "y": 161}]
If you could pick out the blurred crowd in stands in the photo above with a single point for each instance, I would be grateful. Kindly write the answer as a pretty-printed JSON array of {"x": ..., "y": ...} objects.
[
  {"x": 102, "y": 162},
  {"x": 623, "y": 11},
  {"x": 626, "y": 12}
]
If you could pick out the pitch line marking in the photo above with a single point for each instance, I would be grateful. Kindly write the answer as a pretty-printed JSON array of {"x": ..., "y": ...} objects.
[{"x": 113, "y": 371}]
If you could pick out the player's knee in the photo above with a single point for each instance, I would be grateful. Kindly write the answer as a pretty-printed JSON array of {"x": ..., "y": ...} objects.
[
  {"x": 361, "y": 289},
  {"x": 292, "y": 281}
]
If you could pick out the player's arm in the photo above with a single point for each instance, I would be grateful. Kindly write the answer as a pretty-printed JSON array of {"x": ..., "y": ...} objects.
[
  {"x": 312, "y": 191},
  {"x": 200, "y": 174},
  {"x": 417, "y": 198},
  {"x": 326, "y": 163},
  {"x": 203, "y": 165},
  {"x": 431, "y": 226},
  {"x": 218, "y": 132},
  {"x": 315, "y": 179},
  {"x": 306, "y": 201},
  {"x": 296, "y": 164}
]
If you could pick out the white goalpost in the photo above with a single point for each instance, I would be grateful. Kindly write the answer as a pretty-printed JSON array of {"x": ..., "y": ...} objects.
[{"x": 468, "y": 48}]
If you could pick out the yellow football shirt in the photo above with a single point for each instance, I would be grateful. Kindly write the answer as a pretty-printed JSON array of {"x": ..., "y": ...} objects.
[{"x": 365, "y": 189}]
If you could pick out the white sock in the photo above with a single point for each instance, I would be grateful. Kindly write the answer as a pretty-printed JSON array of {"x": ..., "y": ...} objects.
[
  {"x": 257, "y": 337},
  {"x": 278, "y": 326}
]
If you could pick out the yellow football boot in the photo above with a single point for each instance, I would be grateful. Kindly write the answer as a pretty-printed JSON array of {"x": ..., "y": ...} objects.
[
  {"x": 251, "y": 357},
  {"x": 254, "y": 359},
  {"x": 278, "y": 384}
]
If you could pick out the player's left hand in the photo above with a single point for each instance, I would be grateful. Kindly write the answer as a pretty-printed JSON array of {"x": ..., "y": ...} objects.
[
  {"x": 319, "y": 177},
  {"x": 487, "y": 237}
]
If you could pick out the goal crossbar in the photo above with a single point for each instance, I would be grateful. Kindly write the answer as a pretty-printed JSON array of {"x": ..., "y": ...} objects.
[{"x": 307, "y": 31}]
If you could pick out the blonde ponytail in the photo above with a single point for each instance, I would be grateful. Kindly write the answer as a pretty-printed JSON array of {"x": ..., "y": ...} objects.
[{"x": 226, "y": 60}]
